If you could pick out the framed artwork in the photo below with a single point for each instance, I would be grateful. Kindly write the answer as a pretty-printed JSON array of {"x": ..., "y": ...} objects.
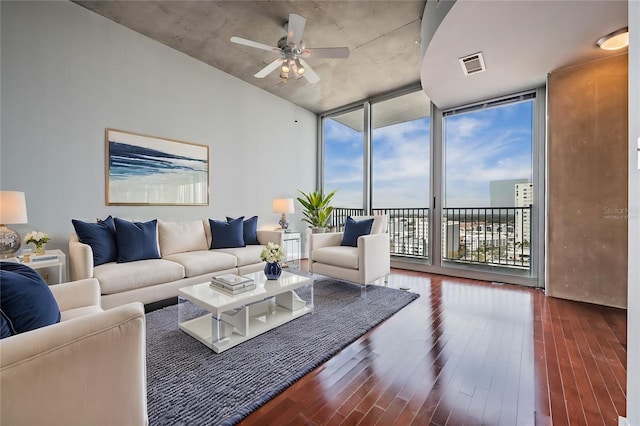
[{"x": 147, "y": 170}]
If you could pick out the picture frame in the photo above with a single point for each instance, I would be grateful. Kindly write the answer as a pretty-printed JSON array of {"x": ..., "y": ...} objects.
[{"x": 144, "y": 170}]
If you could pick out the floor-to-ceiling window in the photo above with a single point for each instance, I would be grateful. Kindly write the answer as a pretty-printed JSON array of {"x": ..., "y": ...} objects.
[
  {"x": 400, "y": 168},
  {"x": 378, "y": 157},
  {"x": 462, "y": 188},
  {"x": 488, "y": 186},
  {"x": 343, "y": 165}
]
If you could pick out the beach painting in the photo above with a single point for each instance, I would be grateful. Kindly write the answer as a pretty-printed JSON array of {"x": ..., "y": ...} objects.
[{"x": 148, "y": 170}]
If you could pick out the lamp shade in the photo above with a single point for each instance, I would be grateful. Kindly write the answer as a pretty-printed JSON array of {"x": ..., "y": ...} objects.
[
  {"x": 283, "y": 205},
  {"x": 13, "y": 207}
]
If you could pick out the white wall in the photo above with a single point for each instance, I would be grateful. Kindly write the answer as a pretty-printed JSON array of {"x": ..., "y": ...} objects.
[
  {"x": 633, "y": 310},
  {"x": 67, "y": 74}
]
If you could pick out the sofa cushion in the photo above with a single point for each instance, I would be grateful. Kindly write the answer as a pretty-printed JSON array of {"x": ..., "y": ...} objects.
[
  {"x": 249, "y": 230},
  {"x": 180, "y": 237},
  {"x": 341, "y": 256},
  {"x": 204, "y": 262},
  {"x": 354, "y": 229},
  {"x": 101, "y": 236},
  {"x": 118, "y": 277},
  {"x": 248, "y": 255},
  {"x": 227, "y": 234},
  {"x": 136, "y": 240},
  {"x": 26, "y": 302}
]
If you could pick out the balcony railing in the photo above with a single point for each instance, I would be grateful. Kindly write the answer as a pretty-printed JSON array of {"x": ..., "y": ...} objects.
[
  {"x": 496, "y": 236},
  {"x": 481, "y": 235},
  {"x": 408, "y": 229}
]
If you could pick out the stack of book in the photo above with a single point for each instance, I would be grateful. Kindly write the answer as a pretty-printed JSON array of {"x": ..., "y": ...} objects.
[
  {"x": 232, "y": 283},
  {"x": 24, "y": 258}
]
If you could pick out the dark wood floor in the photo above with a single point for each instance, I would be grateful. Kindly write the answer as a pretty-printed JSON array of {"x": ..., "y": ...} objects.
[{"x": 469, "y": 353}]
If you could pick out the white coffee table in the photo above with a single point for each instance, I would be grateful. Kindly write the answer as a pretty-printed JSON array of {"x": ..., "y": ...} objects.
[{"x": 237, "y": 318}]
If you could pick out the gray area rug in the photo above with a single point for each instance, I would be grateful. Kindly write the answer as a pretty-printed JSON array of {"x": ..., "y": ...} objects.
[{"x": 189, "y": 384}]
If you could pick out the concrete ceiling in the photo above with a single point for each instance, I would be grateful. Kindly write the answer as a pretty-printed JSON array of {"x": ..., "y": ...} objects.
[
  {"x": 383, "y": 38},
  {"x": 522, "y": 41}
]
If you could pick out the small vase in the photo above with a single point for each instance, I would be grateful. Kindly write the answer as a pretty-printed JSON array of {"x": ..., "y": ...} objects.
[
  {"x": 272, "y": 270},
  {"x": 39, "y": 250}
]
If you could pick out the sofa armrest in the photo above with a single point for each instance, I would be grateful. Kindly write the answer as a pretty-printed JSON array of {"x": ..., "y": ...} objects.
[
  {"x": 266, "y": 236},
  {"x": 85, "y": 371},
  {"x": 80, "y": 259},
  {"x": 324, "y": 240},
  {"x": 77, "y": 294},
  {"x": 374, "y": 252}
]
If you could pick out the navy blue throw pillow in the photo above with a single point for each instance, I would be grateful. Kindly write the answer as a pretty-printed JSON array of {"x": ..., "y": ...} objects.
[
  {"x": 26, "y": 302},
  {"x": 249, "y": 230},
  {"x": 227, "y": 234},
  {"x": 354, "y": 229},
  {"x": 101, "y": 236},
  {"x": 136, "y": 240},
  {"x": 5, "y": 331}
]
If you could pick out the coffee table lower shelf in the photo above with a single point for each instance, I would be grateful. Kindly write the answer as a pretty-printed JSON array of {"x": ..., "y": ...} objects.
[{"x": 241, "y": 324}]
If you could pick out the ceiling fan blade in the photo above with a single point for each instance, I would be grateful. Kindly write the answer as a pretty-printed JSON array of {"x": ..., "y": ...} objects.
[
  {"x": 255, "y": 44},
  {"x": 268, "y": 69},
  {"x": 309, "y": 74},
  {"x": 326, "y": 52},
  {"x": 295, "y": 28}
]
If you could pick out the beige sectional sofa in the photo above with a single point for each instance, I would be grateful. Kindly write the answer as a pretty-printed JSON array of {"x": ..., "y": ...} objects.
[{"x": 185, "y": 259}]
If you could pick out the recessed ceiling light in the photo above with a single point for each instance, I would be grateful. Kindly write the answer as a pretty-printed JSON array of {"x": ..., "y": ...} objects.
[{"x": 616, "y": 40}]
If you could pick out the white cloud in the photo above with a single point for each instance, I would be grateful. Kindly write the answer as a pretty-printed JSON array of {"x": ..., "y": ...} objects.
[
  {"x": 466, "y": 126},
  {"x": 338, "y": 132},
  {"x": 479, "y": 148},
  {"x": 473, "y": 160}
]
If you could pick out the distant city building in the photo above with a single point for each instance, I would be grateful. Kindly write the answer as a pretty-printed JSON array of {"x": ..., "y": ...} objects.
[
  {"x": 409, "y": 235},
  {"x": 524, "y": 198},
  {"x": 451, "y": 239},
  {"x": 501, "y": 192}
]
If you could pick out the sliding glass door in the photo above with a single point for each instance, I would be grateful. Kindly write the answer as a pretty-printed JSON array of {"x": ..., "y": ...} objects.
[{"x": 488, "y": 186}]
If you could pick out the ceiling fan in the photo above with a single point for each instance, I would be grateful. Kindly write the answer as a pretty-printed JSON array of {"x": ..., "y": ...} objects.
[{"x": 292, "y": 51}]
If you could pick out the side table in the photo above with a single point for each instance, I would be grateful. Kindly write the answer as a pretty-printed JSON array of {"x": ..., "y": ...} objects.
[
  {"x": 292, "y": 241},
  {"x": 52, "y": 266}
]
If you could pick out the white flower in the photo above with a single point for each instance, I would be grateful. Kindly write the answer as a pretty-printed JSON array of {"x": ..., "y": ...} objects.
[
  {"x": 36, "y": 237},
  {"x": 272, "y": 253}
]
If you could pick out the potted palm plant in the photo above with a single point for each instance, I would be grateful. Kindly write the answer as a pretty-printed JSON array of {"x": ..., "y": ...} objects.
[{"x": 316, "y": 209}]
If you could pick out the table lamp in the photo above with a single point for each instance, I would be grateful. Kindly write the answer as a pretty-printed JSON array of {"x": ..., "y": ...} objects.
[
  {"x": 284, "y": 206},
  {"x": 13, "y": 210}
]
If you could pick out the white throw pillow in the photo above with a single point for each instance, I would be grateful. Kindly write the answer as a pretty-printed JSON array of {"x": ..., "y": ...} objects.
[{"x": 181, "y": 237}]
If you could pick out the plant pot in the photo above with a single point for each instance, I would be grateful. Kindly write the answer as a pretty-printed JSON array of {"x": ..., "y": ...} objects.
[
  {"x": 39, "y": 250},
  {"x": 318, "y": 230},
  {"x": 272, "y": 270}
]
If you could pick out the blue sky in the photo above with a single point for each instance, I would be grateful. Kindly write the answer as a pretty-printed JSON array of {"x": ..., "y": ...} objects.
[{"x": 480, "y": 146}]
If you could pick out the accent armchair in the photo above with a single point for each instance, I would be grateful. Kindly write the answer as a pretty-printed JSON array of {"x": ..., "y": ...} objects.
[
  {"x": 88, "y": 369},
  {"x": 364, "y": 264}
]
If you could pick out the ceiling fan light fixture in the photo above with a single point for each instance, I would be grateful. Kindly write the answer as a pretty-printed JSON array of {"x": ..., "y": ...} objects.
[
  {"x": 292, "y": 50},
  {"x": 616, "y": 40}
]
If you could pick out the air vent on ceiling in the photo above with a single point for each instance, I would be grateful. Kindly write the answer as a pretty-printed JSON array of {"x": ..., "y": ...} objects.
[{"x": 472, "y": 64}]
